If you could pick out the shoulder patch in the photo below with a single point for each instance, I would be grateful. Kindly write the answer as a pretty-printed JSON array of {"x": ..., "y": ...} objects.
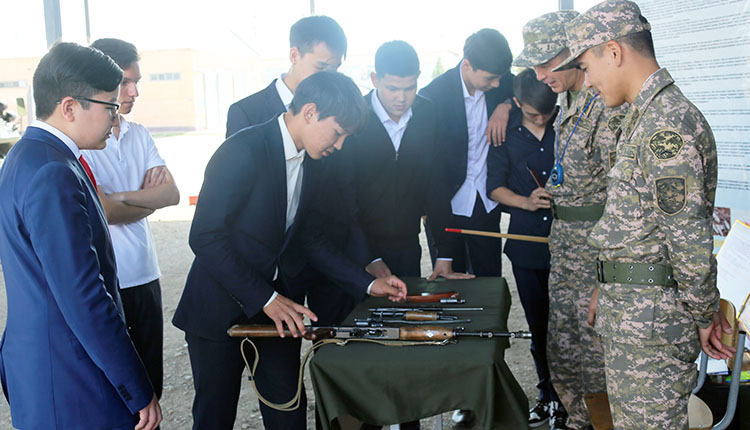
[
  {"x": 614, "y": 122},
  {"x": 666, "y": 144},
  {"x": 671, "y": 194}
]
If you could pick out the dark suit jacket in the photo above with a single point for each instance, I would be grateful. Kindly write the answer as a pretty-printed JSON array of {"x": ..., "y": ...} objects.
[
  {"x": 396, "y": 189},
  {"x": 239, "y": 237},
  {"x": 446, "y": 93},
  {"x": 254, "y": 109},
  {"x": 66, "y": 360},
  {"x": 335, "y": 171}
]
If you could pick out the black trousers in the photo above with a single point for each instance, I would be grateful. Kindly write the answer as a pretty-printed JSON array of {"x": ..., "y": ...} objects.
[
  {"x": 479, "y": 255},
  {"x": 217, "y": 374},
  {"x": 533, "y": 293},
  {"x": 145, "y": 320}
]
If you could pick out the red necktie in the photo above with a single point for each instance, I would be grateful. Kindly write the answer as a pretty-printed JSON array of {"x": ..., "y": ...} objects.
[{"x": 87, "y": 169}]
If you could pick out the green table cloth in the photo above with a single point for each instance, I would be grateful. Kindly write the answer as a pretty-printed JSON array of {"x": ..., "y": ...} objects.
[{"x": 388, "y": 385}]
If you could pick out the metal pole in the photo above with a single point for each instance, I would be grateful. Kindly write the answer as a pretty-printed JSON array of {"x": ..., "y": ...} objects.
[
  {"x": 312, "y": 7},
  {"x": 88, "y": 27},
  {"x": 52, "y": 21},
  {"x": 566, "y": 4}
]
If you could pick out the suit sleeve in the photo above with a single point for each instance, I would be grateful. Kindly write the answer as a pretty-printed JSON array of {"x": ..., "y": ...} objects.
[
  {"x": 62, "y": 242},
  {"x": 332, "y": 263},
  {"x": 357, "y": 243},
  {"x": 438, "y": 203},
  {"x": 229, "y": 180},
  {"x": 345, "y": 271}
]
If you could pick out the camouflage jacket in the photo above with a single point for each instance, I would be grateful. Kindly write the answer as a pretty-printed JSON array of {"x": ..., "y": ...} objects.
[
  {"x": 661, "y": 194},
  {"x": 587, "y": 157}
]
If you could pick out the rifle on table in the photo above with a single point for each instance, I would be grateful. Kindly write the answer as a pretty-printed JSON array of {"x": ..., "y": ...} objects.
[
  {"x": 379, "y": 318},
  {"x": 422, "y": 309},
  {"x": 426, "y": 333},
  {"x": 446, "y": 297}
]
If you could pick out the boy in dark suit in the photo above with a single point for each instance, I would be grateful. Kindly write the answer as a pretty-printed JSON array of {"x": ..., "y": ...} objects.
[
  {"x": 254, "y": 229},
  {"x": 317, "y": 43},
  {"x": 66, "y": 360},
  {"x": 464, "y": 97},
  {"x": 395, "y": 159}
]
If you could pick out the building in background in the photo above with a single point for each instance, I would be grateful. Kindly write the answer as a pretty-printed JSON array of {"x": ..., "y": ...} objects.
[{"x": 187, "y": 89}]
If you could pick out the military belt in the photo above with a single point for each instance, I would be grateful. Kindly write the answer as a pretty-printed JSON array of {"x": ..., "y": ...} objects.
[
  {"x": 578, "y": 213},
  {"x": 634, "y": 273}
]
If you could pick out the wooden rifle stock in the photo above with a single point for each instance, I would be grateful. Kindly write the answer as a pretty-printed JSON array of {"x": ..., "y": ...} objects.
[{"x": 257, "y": 330}]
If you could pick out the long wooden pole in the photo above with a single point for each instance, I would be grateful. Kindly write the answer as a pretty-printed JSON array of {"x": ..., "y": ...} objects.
[{"x": 523, "y": 237}]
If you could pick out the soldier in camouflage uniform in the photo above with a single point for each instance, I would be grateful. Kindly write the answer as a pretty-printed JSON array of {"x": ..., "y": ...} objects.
[
  {"x": 658, "y": 290},
  {"x": 585, "y": 148}
]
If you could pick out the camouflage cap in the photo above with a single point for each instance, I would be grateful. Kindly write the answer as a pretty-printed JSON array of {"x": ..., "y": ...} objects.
[
  {"x": 544, "y": 38},
  {"x": 606, "y": 21}
]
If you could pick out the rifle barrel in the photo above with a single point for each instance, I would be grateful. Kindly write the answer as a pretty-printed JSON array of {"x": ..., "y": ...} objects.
[{"x": 491, "y": 334}]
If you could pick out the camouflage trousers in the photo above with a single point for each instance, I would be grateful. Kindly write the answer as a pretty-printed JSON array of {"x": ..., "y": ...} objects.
[
  {"x": 649, "y": 385},
  {"x": 574, "y": 350}
]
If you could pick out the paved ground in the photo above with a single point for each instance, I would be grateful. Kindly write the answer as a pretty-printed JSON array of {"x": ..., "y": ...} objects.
[{"x": 186, "y": 156}]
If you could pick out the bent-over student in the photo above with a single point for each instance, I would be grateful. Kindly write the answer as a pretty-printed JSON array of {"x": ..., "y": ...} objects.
[{"x": 254, "y": 226}]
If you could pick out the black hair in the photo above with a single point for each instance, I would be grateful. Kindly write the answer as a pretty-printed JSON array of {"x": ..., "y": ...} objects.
[
  {"x": 333, "y": 94},
  {"x": 530, "y": 91},
  {"x": 641, "y": 42},
  {"x": 488, "y": 50},
  {"x": 69, "y": 69},
  {"x": 396, "y": 58},
  {"x": 311, "y": 30},
  {"x": 124, "y": 53}
]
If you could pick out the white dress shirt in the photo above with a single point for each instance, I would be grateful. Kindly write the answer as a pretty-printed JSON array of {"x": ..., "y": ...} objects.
[
  {"x": 285, "y": 93},
  {"x": 294, "y": 173},
  {"x": 60, "y": 135},
  {"x": 463, "y": 201},
  {"x": 395, "y": 129}
]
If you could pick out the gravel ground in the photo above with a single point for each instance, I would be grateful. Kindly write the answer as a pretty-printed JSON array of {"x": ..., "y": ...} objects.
[{"x": 186, "y": 156}]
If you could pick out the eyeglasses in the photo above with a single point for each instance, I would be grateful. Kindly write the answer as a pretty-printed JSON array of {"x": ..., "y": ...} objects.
[{"x": 112, "y": 107}]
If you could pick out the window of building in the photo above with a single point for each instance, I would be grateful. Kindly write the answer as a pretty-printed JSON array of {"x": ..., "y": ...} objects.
[{"x": 171, "y": 76}]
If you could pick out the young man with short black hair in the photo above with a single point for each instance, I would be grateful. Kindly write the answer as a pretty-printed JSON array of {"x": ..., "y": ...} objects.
[
  {"x": 133, "y": 181},
  {"x": 464, "y": 97},
  {"x": 317, "y": 43},
  {"x": 254, "y": 227},
  {"x": 395, "y": 160},
  {"x": 66, "y": 360}
]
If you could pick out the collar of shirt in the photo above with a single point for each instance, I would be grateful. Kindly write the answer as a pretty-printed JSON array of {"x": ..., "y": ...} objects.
[
  {"x": 477, "y": 93},
  {"x": 383, "y": 116},
  {"x": 58, "y": 134},
  {"x": 290, "y": 150},
  {"x": 284, "y": 92},
  {"x": 658, "y": 80}
]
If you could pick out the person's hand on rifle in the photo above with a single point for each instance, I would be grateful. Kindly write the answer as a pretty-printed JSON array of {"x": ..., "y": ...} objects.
[
  {"x": 283, "y": 310},
  {"x": 444, "y": 268},
  {"x": 389, "y": 286}
]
